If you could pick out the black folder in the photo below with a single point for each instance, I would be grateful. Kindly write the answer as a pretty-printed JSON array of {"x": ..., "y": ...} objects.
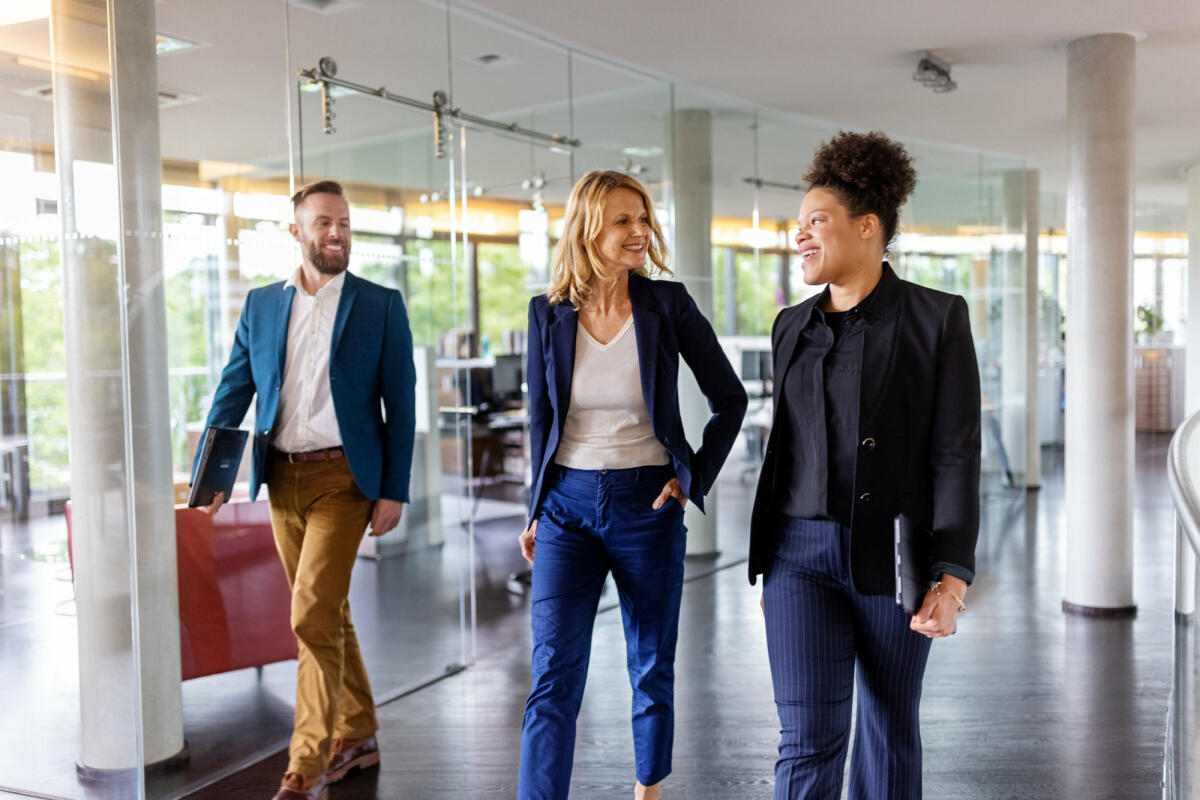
[
  {"x": 914, "y": 553},
  {"x": 218, "y": 467}
]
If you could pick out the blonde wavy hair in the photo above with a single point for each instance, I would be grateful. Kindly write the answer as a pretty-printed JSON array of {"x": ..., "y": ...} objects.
[{"x": 576, "y": 260}]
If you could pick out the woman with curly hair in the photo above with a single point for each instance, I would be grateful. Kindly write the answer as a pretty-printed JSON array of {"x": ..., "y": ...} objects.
[
  {"x": 877, "y": 414},
  {"x": 612, "y": 471}
]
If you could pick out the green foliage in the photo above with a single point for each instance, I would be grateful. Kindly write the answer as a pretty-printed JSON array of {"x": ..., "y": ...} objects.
[
  {"x": 41, "y": 307},
  {"x": 1150, "y": 321},
  {"x": 437, "y": 295},
  {"x": 44, "y": 352},
  {"x": 504, "y": 291},
  {"x": 757, "y": 293}
]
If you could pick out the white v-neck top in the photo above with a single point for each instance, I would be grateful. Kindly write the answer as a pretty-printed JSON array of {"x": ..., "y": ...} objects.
[{"x": 608, "y": 426}]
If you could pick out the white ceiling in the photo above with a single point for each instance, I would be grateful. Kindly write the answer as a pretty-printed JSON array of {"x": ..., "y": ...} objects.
[
  {"x": 851, "y": 63},
  {"x": 816, "y": 66}
]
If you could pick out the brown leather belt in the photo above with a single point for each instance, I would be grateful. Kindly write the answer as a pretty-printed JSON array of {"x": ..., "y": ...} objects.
[{"x": 326, "y": 454}]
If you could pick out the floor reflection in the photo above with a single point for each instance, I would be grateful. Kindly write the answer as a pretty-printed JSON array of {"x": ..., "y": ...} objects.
[{"x": 1025, "y": 702}]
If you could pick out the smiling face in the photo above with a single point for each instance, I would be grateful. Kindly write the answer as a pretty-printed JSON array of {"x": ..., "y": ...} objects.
[
  {"x": 833, "y": 245},
  {"x": 322, "y": 228},
  {"x": 625, "y": 232}
]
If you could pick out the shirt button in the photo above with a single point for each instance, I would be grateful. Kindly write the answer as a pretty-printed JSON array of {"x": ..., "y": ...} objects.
[
  {"x": 869, "y": 443},
  {"x": 666, "y": 441},
  {"x": 865, "y": 497}
]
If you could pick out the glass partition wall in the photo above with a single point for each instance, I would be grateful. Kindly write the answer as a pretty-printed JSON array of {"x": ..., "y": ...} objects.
[
  {"x": 457, "y": 201},
  {"x": 962, "y": 231},
  {"x": 461, "y": 217},
  {"x": 469, "y": 140},
  {"x": 86, "y": 537}
]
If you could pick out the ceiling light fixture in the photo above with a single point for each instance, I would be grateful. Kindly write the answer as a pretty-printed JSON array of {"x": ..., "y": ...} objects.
[
  {"x": 165, "y": 43},
  {"x": 934, "y": 73},
  {"x": 535, "y": 181},
  {"x": 66, "y": 69},
  {"x": 629, "y": 166}
]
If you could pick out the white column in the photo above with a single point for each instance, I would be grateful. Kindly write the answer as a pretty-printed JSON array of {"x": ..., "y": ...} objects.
[
  {"x": 1192, "y": 362},
  {"x": 1021, "y": 307},
  {"x": 1099, "y": 418},
  {"x": 1010, "y": 280},
  {"x": 692, "y": 264},
  {"x": 1033, "y": 312},
  {"x": 1185, "y": 557},
  {"x": 122, "y": 495}
]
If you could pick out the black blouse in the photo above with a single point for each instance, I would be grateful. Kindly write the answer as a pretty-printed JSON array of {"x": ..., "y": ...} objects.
[{"x": 820, "y": 398}]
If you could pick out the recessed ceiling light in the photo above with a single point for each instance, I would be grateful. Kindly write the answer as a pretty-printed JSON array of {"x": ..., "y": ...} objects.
[
  {"x": 334, "y": 91},
  {"x": 66, "y": 69},
  {"x": 643, "y": 151},
  {"x": 165, "y": 43},
  {"x": 490, "y": 60},
  {"x": 325, "y": 7},
  {"x": 167, "y": 98}
]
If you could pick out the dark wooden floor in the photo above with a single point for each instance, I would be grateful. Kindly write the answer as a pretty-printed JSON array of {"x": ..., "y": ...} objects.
[{"x": 1024, "y": 702}]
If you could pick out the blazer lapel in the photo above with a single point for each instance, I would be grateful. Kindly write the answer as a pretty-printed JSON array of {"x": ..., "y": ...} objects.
[
  {"x": 345, "y": 303},
  {"x": 788, "y": 342},
  {"x": 564, "y": 324},
  {"x": 879, "y": 345},
  {"x": 645, "y": 327},
  {"x": 283, "y": 312}
]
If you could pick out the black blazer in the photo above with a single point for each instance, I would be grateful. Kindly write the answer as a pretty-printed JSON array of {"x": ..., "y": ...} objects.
[
  {"x": 919, "y": 419},
  {"x": 667, "y": 324}
]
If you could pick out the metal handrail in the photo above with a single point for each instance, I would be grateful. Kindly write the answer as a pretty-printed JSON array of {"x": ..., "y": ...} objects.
[
  {"x": 1183, "y": 468},
  {"x": 1182, "y": 479}
]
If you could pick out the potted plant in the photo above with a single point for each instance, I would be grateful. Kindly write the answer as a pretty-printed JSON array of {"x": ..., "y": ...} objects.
[{"x": 1150, "y": 324}]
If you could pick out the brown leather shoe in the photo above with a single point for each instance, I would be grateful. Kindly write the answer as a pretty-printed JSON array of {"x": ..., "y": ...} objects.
[
  {"x": 360, "y": 756},
  {"x": 298, "y": 787}
]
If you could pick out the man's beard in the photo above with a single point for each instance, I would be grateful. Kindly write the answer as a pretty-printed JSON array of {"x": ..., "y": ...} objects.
[{"x": 328, "y": 264}]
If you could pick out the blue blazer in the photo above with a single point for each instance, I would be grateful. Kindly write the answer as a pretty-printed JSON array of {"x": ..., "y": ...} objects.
[
  {"x": 668, "y": 325},
  {"x": 371, "y": 377}
]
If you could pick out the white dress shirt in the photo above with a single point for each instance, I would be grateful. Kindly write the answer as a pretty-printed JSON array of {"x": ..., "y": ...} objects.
[
  {"x": 607, "y": 425},
  {"x": 306, "y": 419}
]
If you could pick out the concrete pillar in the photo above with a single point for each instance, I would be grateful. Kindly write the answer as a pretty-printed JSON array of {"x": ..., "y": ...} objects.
[
  {"x": 1009, "y": 280},
  {"x": 692, "y": 263},
  {"x": 784, "y": 295},
  {"x": 1185, "y": 557},
  {"x": 1192, "y": 364},
  {"x": 1020, "y": 307},
  {"x": 731, "y": 282},
  {"x": 1033, "y": 310},
  {"x": 1099, "y": 418},
  {"x": 123, "y": 524}
]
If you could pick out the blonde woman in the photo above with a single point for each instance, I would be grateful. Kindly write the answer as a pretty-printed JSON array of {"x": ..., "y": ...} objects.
[{"x": 612, "y": 471}]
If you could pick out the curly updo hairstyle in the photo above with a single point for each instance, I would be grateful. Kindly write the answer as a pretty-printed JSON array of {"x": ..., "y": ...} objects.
[{"x": 870, "y": 174}]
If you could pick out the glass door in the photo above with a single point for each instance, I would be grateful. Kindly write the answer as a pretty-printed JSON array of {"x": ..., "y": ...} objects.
[{"x": 411, "y": 595}]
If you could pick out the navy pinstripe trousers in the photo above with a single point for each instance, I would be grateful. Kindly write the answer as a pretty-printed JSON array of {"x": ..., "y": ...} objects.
[{"x": 820, "y": 631}]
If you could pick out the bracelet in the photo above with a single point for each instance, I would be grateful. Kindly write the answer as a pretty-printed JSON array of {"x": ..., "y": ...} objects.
[{"x": 937, "y": 589}]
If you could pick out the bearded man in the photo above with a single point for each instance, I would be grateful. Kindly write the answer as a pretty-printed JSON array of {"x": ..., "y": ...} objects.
[{"x": 329, "y": 357}]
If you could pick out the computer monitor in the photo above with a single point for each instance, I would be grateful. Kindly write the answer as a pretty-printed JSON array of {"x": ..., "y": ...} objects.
[
  {"x": 506, "y": 377},
  {"x": 756, "y": 365}
]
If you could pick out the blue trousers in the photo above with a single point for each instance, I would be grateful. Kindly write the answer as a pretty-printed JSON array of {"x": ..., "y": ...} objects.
[
  {"x": 593, "y": 522},
  {"x": 819, "y": 630}
]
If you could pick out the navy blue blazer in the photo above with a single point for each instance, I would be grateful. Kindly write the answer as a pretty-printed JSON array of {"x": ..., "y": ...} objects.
[
  {"x": 667, "y": 324},
  {"x": 919, "y": 423},
  {"x": 371, "y": 377}
]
